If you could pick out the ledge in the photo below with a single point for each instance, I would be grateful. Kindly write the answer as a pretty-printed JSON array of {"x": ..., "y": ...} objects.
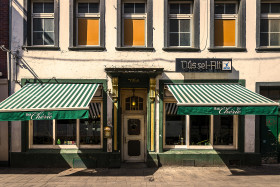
[
  {"x": 52, "y": 48},
  {"x": 227, "y": 49},
  {"x": 148, "y": 49},
  {"x": 181, "y": 49},
  {"x": 267, "y": 49},
  {"x": 93, "y": 48}
]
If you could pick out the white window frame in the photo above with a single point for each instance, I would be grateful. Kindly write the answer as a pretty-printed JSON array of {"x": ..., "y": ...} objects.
[
  {"x": 86, "y": 16},
  {"x": 140, "y": 16},
  {"x": 180, "y": 16},
  {"x": 41, "y": 16},
  {"x": 211, "y": 131},
  {"x": 269, "y": 16},
  {"x": 78, "y": 145},
  {"x": 229, "y": 17}
]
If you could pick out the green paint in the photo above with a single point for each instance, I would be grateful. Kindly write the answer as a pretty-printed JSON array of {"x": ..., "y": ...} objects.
[
  {"x": 241, "y": 133},
  {"x": 44, "y": 115},
  {"x": 244, "y": 110},
  {"x": 148, "y": 122}
]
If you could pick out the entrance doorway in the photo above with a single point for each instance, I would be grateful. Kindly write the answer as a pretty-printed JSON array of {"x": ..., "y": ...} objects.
[{"x": 134, "y": 111}]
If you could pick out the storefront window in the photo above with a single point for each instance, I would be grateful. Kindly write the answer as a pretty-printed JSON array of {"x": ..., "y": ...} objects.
[
  {"x": 199, "y": 130},
  {"x": 223, "y": 130},
  {"x": 43, "y": 132},
  {"x": 175, "y": 126},
  {"x": 90, "y": 129},
  {"x": 66, "y": 132}
]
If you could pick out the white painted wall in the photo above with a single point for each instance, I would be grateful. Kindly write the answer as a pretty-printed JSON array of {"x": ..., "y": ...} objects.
[{"x": 64, "y": 64}]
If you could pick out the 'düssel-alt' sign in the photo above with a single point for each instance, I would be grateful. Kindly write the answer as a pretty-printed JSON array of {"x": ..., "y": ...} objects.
[{"x": 203, "y": 65}]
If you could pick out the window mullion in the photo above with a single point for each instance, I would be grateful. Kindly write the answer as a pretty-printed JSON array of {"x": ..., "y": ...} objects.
[{"x": 54, "y": 132}]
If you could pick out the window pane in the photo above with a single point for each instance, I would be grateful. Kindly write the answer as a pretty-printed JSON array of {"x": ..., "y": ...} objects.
[
  {"x": 230, "y": 8},
  {"x": 128, "y": 7},
  {"x": 264, "y": 39},
  {"x": 140, "y": 8},
  {"x": 83, "y": 8},
  {"x": 265, "y": 8},
  {"x": 90, "y": 131},
  {"x": 184, "y": 25},
  {"x": 275, "y": 7},
  {"x": 219, "y": 8},
  {"x": 37, "y": 24},
  {"x": 66, "y": 132},
  {"x": 272, "y": 92},
  {"x": 38, "y": 38},
  {"x": 223, "y": 130},
  {"x": 48, "y": 8},
  {"x": 49, "y": 38},
  {"x": 174, "y": 9},
  {"x": 185, "y": 8},
  {"x": 275, "y": 39},
  {"x": 175, "y": 126},
  {"x": 93, "y": 7},
  {"x": 43, "y": 132},
  {"x": 199, "y": 130},
  {"x": 224, "y": 32},
  {"x": 274, "y": 25},
  {"x": 184, "y": 39},
  {"x": 134, "y": 32},
  {"x": 48, "y": 25},
  {"x": 264, "y": 25},
  {"x": 174, "y": 25},
  {"x": 38, "y": 8},
  {"x": 88, "y": 31},
  {"x": 174, "y": 39}
]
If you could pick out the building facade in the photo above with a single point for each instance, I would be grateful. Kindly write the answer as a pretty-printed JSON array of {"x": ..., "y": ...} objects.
[
  {"x": 165, "y": 82},
  {"x": 4, "y": 40}
]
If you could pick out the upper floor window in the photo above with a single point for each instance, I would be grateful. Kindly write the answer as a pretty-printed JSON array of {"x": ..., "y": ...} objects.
[
  {"x": 88, "y": 23},
  {"x": 134, "y": 24},
  {"x": 179, "y": 17},
  {"x": 270, "y": 24},
  {"x": 42, "y": 19},
  {"x": 225, "y": 24}
]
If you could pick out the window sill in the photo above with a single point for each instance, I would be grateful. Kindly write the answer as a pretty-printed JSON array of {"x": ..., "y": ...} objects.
[
  {"x": 148, "y": 49},
  {"x": 227, "y": 49},
  {"x": 53, "y": 48},
  {"x": 91, "y": 48},
  {"x": 267, "y": 49},
  {"x": 181, "y": 49}
]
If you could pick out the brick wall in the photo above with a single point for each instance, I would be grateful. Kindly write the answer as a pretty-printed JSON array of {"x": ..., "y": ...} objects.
[{"x": 4, "y": 35}]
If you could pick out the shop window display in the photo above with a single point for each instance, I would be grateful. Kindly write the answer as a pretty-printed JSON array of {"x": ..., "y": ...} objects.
[
  {"x": 66, "y": 132},
  {"x": 199, "y": 130},
  {"x": 43, "y": 132}
]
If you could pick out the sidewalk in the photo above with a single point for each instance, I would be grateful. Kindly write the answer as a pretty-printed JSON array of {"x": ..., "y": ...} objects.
[{"x": 266, "y": 175}]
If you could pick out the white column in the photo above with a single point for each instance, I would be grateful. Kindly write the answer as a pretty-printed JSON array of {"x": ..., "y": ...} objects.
[
  {"x": 249, "y": 139},
  {"x": 16, "y": 136}
]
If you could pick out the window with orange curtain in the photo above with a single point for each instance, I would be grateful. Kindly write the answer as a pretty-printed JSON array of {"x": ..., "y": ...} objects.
[
  {"x": 225, "y": 24},
  {"x": 88, "y": 24},
  {"x": 134, "y": 24}
]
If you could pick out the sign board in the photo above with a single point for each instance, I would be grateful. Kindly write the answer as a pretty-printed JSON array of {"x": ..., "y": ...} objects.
[{"x": 207, "y": 65}]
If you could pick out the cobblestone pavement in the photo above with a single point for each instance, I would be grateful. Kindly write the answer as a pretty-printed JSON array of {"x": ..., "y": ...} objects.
[{"x": 266, "y": 175}]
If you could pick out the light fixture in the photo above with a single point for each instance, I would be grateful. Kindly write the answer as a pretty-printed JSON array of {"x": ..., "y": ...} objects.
[{"x": 133, "y": 102}]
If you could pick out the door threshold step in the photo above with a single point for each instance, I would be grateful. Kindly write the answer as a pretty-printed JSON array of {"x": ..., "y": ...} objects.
[{"x": 134, "y": 165}]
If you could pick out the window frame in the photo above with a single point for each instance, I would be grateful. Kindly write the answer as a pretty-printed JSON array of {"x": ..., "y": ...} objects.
[
  {"x": 211, "y": 131},
  {"x": 179, "y": 17},
  {"x": 42, "y": 16},
  {"x": 268, "y": 16},
  {"x": 87, "y": 16},
  {"x": 134, "y": 16},
  {"x": 78, "y": 145},
  {"x": 227, "y": 17}
]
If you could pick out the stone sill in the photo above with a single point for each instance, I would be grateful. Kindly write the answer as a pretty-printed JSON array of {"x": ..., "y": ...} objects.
[
  {"x": 147, "y": 49},
  {"x": 92, "y": 49},
  {"x": 51, "y": 48},
  {"x": 227, "y": 49},
  {"x": 181, "y": 49}
]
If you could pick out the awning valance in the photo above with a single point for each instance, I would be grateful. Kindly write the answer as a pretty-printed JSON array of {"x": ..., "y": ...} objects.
[
  {"x": 220, "y": 99},
  {"x": 48, "y": 101}
]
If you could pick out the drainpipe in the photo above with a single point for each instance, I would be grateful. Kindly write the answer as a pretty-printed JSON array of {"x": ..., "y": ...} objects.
[{"x": 9, "y": 66}]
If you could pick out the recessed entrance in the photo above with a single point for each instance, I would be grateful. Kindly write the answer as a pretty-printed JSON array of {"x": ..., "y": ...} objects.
[{"x": 133, "y": 102}]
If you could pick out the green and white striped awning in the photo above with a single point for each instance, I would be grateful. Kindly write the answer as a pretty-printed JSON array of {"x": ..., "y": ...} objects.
[
  {"x": 220, "y": 99},
  {"x": 48, "y": 101}
]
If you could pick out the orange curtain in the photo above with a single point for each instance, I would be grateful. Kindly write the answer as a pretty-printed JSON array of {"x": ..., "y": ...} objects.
[
  {"x": 224, "y": 32},
  {"x": 134, "y": 32},
  {"x": 88, "y": 32}
]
